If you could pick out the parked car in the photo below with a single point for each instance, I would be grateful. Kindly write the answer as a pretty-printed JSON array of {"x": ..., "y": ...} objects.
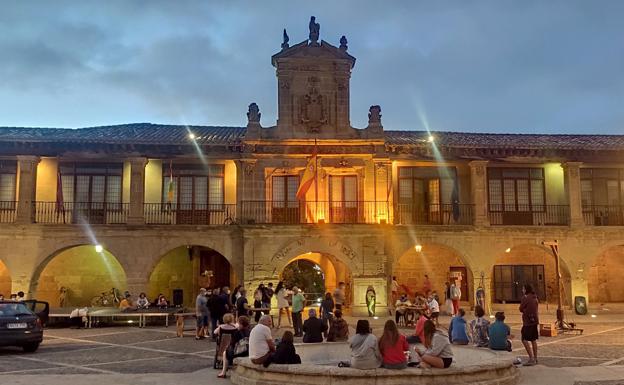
[{"x": 21, "y": 323}]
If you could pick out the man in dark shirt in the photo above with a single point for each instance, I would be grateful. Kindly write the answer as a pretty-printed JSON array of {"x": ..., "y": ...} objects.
[
  {"x": 242, "y": 305},
  {"x": 313, "y": 328}
]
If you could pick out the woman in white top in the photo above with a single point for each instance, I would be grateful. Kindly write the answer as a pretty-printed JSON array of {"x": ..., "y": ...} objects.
[{"x": 282, "y": 303}]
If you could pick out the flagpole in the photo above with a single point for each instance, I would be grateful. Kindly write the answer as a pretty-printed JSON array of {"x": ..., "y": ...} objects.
[{"x": 316, "y": 180}]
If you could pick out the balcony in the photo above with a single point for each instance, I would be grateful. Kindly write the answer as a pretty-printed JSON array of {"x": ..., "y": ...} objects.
[
  {"x": 81, "y": 212},
  {"x": 603, "y": 215},
  {"x": 278, "y": 212},
  {"x": 8, "y": 211},
  {"x": 189, "y": 214},
  {"x": 434, "y": 214},
  {"x": 525, "y": 215}
]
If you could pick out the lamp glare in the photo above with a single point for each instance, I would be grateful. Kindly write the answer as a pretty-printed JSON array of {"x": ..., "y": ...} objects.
[{"x": 99, "y": 248}]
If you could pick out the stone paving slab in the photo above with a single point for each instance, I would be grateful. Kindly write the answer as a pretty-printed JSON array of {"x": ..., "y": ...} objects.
[
  {"x": 108, "y": 355},
  {"x": 164, "y": 364},
  {"x": 605, "y": 352}
]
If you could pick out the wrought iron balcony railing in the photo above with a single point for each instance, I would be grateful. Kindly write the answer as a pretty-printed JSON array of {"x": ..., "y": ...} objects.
[
  {"x": 525, "y": 215},
  {"x": 433, "y": 214},
  {"x": 603, "y": 215},
  {"x": 281, "y": 212},
  {"x": 189, "y": 214},
  {"x": 8, "y": 211},
  {"x": 81, "y": 212}
]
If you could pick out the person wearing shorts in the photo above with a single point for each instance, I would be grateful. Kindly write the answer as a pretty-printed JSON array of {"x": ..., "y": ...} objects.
[
  {"x": 201, "y": 312},
  {"x": 530, "y": 321}
]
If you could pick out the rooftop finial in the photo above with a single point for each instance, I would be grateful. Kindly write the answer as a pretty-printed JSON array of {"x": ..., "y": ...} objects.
[
  {"x": 343, "y": 43},
  {"x": 286, "y": 39},
  {"x": 314, "y": 31}
]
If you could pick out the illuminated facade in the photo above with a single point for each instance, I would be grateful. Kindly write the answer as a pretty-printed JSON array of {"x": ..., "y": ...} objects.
[{"x": 179, "y": 207}]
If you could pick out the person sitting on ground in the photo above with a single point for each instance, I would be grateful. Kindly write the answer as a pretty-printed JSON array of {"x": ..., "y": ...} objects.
[
  {"x": 500, "y": 334},
  {"x": 479, "y": 328},
  {"x": 313, "y": 328},
  {"x": 338, "y": 329},
  {"x": 419, "y": 330},
  {"x": 457, "y": 329},
  {"x": 126, "y": 304},
  {"x": 434, "y": 309},
  {"x": 142, "y": 302},
  {"x": 20, "y": 296},
  {"x": 13, "y": 297},
  {"x": 261, "y": 343},
  {"x": 393, "y": 346},
  {"x": 438, "y": 353},
  {"x": 285, "y": 352},
  {"x": 401, "y": 308},
  {"x": 364, "y": 348},
  {"x": 239, "y": 345}
]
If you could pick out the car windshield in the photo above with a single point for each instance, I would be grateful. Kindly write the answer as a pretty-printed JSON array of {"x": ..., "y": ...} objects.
[{"x": 12, "y": 309}]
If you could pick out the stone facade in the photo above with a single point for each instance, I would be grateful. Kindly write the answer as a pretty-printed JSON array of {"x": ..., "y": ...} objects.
[{"x": 353, "y": 217}]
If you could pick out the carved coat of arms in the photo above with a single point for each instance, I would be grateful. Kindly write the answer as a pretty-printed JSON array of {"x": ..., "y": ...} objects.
[{"x": 313, "y": 113}]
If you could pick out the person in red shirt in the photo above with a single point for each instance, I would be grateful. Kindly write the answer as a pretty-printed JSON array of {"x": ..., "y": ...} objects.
[
  {"x": 393, "y": 346},
  {"x": 419, "y": 331}
]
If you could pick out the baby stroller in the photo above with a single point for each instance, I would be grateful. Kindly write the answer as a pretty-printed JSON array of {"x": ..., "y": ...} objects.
[{"x": 224, "y": 338}]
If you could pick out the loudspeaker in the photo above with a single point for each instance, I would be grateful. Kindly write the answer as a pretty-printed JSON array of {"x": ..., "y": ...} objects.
[
  {"x": 178, "y": 297},
  {"x": 580, "y": 305}
]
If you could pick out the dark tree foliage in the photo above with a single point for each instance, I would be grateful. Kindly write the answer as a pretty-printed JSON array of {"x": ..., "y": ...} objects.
[{"x": 306, "y": 275}]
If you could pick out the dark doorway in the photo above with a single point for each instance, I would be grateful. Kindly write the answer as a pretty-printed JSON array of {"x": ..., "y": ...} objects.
[
  {"x": 509, "y": 279},
  {"x": 216, "y": 266},
  {"x": 455, "y": 271}
]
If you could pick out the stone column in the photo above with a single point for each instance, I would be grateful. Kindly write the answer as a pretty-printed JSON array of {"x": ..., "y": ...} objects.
[
  {"x": 478, "y": 191},
  {"x": 136, "y": 214},
  {"x": 572, "y": 183},
  {"x": 27, "y": 174}
]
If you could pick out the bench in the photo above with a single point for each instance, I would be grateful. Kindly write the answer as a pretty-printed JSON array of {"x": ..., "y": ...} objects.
[
  {"x": 95, "y": 316},
  {"x": 146, "y": 315}
]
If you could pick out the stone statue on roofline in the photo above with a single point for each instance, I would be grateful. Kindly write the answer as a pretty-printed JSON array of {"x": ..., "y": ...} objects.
[
  {"x": 286, "y": 39},
  {"x": 315, "y": 29},
  {"x": 343, "y": 43},
  {"x": 253, "y": 115},
  {"x": 374, "y": 115}
]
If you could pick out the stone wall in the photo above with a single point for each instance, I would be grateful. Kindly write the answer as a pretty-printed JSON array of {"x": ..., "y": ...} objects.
[
  {"x": 606, "y": 276},
  {"x": 174, "y": 271},
  {"x": 84, "y": 272},
  {"x": 5, "y": 280}
]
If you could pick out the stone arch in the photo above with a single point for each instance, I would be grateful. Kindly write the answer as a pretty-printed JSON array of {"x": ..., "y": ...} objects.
[
  {"x": 529, "y": 255},
  {"x": 335, "y": 248},
  {"x": 438, "y": 261},
  {"x": 188, "y": 268},
  {"x": 334, "y": 269},
  {"x": 82, "y": 270},
  {"x": 5, "y": 280},
  {"x": 605, "y": 283}
]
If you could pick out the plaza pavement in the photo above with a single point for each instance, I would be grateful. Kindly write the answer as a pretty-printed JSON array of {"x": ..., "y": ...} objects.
[{"x": 154, "y": 356}]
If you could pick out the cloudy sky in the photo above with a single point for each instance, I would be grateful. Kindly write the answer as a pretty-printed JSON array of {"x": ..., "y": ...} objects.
[{"x": 484, "y": 66}]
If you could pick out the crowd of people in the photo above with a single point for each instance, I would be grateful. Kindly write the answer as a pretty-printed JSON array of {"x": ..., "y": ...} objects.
[{"x": 17, "y": 297}]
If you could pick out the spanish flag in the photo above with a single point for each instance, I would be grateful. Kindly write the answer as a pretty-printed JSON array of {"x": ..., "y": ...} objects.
[{"x": 309, "y": 175}]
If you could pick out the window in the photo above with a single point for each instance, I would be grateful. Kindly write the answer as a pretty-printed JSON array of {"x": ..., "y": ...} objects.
[
  {"x": 426, "y": 186},
  {"x": 8, "y": 170},
  {"x": 516, "y": 189},
  {"x": 602, "y": 187},
  {"x": 94, "y": 185},
  {"x": 284, "y": 191},
  {"x": 195, "y": 187}
]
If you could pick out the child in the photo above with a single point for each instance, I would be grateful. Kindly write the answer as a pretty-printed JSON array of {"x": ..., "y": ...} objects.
[
  {"x": 434, "y": 309},
  {"x": 500, "y": 334},
  {"x": 457, "y": 329}
]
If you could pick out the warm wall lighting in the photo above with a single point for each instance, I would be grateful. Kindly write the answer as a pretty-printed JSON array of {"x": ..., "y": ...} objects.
[
  {"x": 418, "y": 248},
  {"x": 99, "y": 248},
  {"x": 508, "y": 250}
]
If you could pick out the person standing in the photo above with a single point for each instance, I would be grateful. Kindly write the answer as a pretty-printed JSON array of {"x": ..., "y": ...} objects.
[
  {"x": 339, "y": 296},
  {"x": 326, "y": 310},
  {"x": 242, "y": 305},
  {"x": 455, "y": 296},
  {"x": 282, "y": 304},
  {"x": 426, "y": 286},
  {"x": 394, "y": 289},
  {"x": 201, "y": 311},
  {"x": 530, "y": 321},
  {"x": 448, "y": 304},
  {"x": 298, "y": 303},
  {"x": 258, "y": 303}
]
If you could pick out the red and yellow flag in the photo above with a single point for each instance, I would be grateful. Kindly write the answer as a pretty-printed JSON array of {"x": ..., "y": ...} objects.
[{"x": 309, "y": 175}]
